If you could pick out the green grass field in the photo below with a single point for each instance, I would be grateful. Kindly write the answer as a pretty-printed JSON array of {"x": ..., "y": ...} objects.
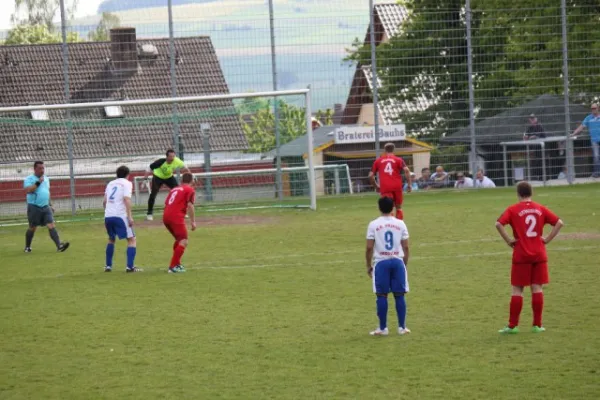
[{"x": 280, "y": 307}]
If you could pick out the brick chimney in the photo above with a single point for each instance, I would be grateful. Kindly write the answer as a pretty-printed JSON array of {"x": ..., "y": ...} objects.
[{"x": 123, "y": 49}]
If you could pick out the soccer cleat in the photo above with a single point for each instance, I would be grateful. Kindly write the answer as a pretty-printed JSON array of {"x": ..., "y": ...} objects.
[
  {"x": 149, "y": 217},
  {"x": 107, "y": 269},
  {"x": 63, "y": 246},
  {"x": 509, "y": 330},
  {"x": 27, "y": 250},
  {"x": 538, "y": 329},
  {"x": 379, "y": 332},
  {"x": 403, "y": 331},
  {"x": 176, "y": 269},
  {"x": 134, "y": 269}
]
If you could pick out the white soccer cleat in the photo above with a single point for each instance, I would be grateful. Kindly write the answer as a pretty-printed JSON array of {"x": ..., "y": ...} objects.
[
  {"x": 149, "y": 217},
  {"x": 379, "y": 332},
  {"x": 403, "y": 331}
]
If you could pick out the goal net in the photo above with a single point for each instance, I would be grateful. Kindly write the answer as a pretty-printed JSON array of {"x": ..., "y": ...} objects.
[{"x": 249, "y": 150}]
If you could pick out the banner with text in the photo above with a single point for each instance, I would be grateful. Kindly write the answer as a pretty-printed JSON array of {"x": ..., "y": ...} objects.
[{"x": 366, "y": 134}]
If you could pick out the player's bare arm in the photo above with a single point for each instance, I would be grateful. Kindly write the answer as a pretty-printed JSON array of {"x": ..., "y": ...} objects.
[
  {"x": 369, "y": 256},
  {"x": 191, "y": 212},
  {"x": 408, "y": 181},
  {"x": 509, "y": 241},
  {"x": 555, "y": 229},
  {"x": 104, "y": 201},
  {"x": 127, "y": 201},
  {"x": 373, "y": 181},
  {"x": 404, "y": 244},
  {"x": 33, "y": 188}
]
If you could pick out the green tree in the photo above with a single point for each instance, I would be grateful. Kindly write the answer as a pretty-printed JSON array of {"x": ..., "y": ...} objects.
[
  {"x": 260, "y": 130},
  {"x": 102, "y": 31},
  {"x": 37, "y": 34},
  {"x": 41, "y": 12},
  {"x": 325, "y": 117}
]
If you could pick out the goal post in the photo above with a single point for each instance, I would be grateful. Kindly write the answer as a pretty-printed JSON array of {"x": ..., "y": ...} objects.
[{"x": 226, "y": 140}]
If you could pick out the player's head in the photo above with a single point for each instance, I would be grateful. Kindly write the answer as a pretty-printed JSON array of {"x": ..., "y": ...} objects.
[
  {"x": 524, "y": 190},
  {"x": 122, "y": 172},
  {"x": 595, "y": 109},
  {"x": 187, "y": 178},
  {"x": 439, "y": 169},
  {"x": 425, "y": 173},
  {"x": 532, "y": 119},
  {"x": 39, "y": 168},
  {"x": 480, "y": 174},
  {"x": 460, "y": 176},
  {"x": 389, "y": 148},
  {"x": 386, "y": 205},
  {"x": 170, "y": 155}
]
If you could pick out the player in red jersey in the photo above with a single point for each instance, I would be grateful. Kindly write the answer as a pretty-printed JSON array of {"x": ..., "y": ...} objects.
[
  {"x": 529, "y": 260},
  {"x": 389, "y": 169},
  {"x": 180, "y": 202}
]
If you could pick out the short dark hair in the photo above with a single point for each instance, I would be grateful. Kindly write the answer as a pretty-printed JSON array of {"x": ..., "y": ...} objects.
[
  {"x": 122, "y": 172},
  {"x": 386, "y": 205},
  {"x": 524, "y": 189},
  {"x": 389, "y": 147},
  {"x": 187, "y": 177},
  {"x": 170, "y": 151},
  {"x": 424, "y": 169},
  {"x": 35, "y": 164}
]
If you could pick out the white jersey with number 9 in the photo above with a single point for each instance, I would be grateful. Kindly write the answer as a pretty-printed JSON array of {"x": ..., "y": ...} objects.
[{"x": 387, "y": 232}]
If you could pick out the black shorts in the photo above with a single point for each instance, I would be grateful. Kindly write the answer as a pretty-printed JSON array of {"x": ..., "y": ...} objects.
[
  {"x": 158, "y": 182},
  {"x": 39, "y": 216}
]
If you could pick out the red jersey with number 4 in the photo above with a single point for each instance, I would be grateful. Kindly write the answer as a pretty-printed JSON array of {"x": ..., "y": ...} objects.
[
  {"x": 177, "y": 202},
  {"x": 389, "y": 167},
  {"x": 527, "y": 220}
]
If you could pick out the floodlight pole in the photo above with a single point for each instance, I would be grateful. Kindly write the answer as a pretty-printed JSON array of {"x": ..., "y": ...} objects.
[{"x": 65, "y": 51}]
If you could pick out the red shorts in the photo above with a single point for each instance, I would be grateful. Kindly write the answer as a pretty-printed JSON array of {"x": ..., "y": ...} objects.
[
  {"x": 523, "y": 274},
  {"x": 177, "y": 229},
  {"x": 395, "y": 195}
]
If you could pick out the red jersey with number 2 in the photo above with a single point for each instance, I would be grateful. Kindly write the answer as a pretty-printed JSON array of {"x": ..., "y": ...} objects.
[
  {"x": 527, "y": 220},
  {"x": 389, "y": 167},
  {"x": 177, "y": 202}
]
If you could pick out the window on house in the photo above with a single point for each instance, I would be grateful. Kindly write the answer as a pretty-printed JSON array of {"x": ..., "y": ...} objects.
[{"x": 113, "y": 111}]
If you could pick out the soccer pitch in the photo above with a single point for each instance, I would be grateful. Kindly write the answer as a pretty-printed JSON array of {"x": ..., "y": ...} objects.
[{"x": 277, "y": 304}]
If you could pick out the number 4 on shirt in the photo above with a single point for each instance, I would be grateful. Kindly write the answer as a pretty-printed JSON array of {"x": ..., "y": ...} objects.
[{"x": 388, "y": 168}]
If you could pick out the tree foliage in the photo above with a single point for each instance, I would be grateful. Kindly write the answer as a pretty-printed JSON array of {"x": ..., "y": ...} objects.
[
  {"x": 41, "y": 12},
  {"x": 102, "y": 31},
  {"x": 517, "y": 55},
  {"x": 37, "y": 34}
]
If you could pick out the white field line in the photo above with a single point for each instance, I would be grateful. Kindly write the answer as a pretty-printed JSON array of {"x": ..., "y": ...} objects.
[{"x": 327, "y": 263}]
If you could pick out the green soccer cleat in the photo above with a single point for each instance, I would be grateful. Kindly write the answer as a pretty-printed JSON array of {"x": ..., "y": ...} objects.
[
  {"x": 538, "y": 329},
  {"x": 508, "y": 330}
]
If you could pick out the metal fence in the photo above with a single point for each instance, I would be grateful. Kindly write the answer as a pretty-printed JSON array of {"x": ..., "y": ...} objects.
[{"x": 469, "y": 82}]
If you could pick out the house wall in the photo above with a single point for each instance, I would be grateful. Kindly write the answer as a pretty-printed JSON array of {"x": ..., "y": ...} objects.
[
  {"x": 367, "y": 115},
  {"x": 420, "y": 161}
]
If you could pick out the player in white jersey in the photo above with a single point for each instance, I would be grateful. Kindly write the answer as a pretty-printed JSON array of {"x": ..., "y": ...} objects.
[
  {"x": 118, "y": 219},
  {"x": 387, "y": 257}
]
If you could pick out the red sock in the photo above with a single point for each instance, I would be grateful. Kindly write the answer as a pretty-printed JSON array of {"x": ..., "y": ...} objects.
[
  {"x": 399, "y": 214},
  {"x": 177, "y": 254},
  {"x": 537, "y": 304},
  {"x": 175, "y": 245},
  {"x": 516, "y": 305}
]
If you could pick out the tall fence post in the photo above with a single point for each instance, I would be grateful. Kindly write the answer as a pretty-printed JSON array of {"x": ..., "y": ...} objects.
[
  {"x": 473, "y": 152},
  {"x": 374, "y": 76},
  {"x": 172, "y": 56},
  {"x": 278, "y": 174},
  {"x": 565, "y": 58},
  {"x": 65, "y": 54},
  {"x": 208, "y": 192}
]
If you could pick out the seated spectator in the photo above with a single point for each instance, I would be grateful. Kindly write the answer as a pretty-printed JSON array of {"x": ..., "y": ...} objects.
[
  {"x": 413, "y": 181},
  {"x": 440, "y": 178},
  {"x": 463, "y": 181},
  {"x": 424, "y": 182},
  {"x": 482, "y": 181}
]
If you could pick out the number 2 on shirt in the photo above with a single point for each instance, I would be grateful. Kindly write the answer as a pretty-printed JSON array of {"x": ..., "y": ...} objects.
[
  {"x": 531, "y": 222},
  {"x": 112, "y": 195},
  {"x": 388, "y": 168}
]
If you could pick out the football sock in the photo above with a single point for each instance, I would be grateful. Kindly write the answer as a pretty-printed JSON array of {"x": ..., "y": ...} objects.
[
  {"x": 29, "y": 237},
  {"x": 151, "y": 200},
  {"x": 516, "y": 305},
  {"x": 110, "y": 250},
  {"x": 399, "y": 214},
  {"x": 401, "y": 311},
  {"x": 130, "y": 256},
  {"x": 537, "y": 304},
  {"x": 54, "y": 236},
  {"x": 382, "y": 309},
  {"x": 177, "y": 254}
]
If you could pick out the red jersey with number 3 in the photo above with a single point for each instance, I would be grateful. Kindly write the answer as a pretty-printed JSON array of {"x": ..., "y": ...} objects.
[
  {"x": 177, "y": 202},
  {"x": 389, "y": 167},
  {"x": 527, "y": 220}
]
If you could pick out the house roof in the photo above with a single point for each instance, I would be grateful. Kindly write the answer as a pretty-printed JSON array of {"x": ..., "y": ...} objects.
[
  {"x": 323, "y": 138},
  {"x": 34, "y": 74},
  {"x": 511, "y": 124},
  {"x": 391, "y": 16}
]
